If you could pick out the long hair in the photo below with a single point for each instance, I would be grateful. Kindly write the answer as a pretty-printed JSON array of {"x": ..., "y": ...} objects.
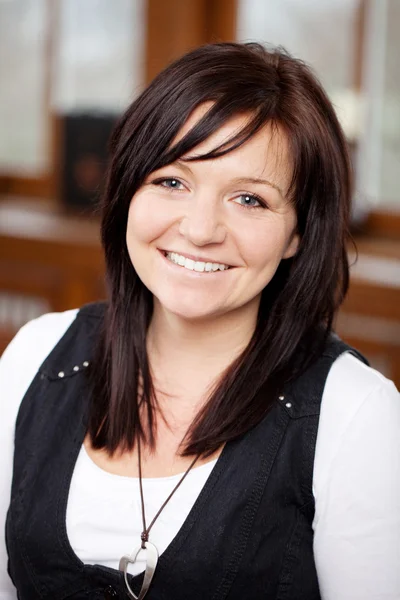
[{"x": 298, "y": 305}]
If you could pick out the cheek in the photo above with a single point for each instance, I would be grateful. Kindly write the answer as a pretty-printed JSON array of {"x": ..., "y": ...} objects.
[
  {"x": 145, "y": 221},
  {"x": 263, "y": 245}
]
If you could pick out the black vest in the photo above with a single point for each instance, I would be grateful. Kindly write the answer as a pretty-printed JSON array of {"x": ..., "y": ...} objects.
[{"x": 248, "y": 535}]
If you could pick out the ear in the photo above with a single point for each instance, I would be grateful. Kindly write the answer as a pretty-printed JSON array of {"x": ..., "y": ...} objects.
[{"x": 293, "y": 246}]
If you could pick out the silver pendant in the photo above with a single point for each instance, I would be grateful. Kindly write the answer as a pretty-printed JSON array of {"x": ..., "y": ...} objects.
[{"x": 151, "y": 563}]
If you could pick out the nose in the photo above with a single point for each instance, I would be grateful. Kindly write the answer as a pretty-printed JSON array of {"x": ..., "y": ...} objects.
[{"x": 202, "y": 223}]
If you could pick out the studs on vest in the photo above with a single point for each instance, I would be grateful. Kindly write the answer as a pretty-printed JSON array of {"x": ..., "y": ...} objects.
[
  {"x": 288, "y": 404},
  {"x": 75, "y": 369},
  {"x": 110, "y": 593}
]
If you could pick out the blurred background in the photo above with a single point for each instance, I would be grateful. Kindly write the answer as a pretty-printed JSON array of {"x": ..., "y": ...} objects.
[{"x": 68, "y": 68}]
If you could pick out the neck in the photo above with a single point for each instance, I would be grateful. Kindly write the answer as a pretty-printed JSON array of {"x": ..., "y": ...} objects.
[{"x": 200, "y": 350}]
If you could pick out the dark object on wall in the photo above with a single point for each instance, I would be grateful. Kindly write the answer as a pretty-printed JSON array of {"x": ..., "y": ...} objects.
[{"x": 84, "y": 153}]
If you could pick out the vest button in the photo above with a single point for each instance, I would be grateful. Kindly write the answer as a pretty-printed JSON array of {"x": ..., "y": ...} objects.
[{"x": 110, "y": 593}]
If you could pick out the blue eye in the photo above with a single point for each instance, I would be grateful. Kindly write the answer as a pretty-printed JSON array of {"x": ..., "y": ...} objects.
[
  {"x": 170, "y": 183},
  {"x": 249, "y": 201}
]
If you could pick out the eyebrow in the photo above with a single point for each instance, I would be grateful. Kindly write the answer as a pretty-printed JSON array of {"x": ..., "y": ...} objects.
[
  {"x": 260, "y": 182},
  {"x": 183, "y": 165},
  {"x": 237, "y": 180}
]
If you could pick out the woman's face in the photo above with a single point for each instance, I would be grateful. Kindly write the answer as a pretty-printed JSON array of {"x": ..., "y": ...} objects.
[{"x": 207, "y": 236}]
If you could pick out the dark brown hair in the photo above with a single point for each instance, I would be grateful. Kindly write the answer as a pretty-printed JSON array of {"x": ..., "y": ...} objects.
[{"x": 298, "y": 305}]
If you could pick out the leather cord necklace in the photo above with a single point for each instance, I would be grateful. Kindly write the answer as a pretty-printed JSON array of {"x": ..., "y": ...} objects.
[{"x": 151, "y": 550}]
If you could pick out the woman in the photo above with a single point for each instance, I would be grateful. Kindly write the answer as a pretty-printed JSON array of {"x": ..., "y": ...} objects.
[{"x": 204, "y": 434}]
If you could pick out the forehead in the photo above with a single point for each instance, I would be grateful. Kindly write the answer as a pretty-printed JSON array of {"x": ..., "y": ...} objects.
[{"x": 266, "y": 153}]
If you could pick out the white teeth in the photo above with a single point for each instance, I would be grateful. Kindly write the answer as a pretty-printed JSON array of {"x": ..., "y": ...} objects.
[
  {"x": 192, "y": 265},
  {"x": 199, "y": 266}
]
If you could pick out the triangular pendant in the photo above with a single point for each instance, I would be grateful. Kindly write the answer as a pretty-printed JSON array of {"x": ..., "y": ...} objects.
[{"x": 151, "y": 563}]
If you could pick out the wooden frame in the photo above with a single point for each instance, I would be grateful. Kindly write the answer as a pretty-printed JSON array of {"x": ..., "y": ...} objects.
[
  {"x": 383, "y": 223},
  {"x": 176, "y": 26}
]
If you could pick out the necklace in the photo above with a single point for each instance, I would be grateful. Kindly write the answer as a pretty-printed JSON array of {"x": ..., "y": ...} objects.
[{"x": 151, "y": 550}]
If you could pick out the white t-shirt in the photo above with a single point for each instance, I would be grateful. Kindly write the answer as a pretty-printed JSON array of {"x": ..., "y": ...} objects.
[{"x": 356, "y": 481}]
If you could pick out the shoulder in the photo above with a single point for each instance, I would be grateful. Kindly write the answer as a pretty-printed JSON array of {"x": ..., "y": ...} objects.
[
  {"x": 354, "y": 393},
  {"x": 350, "y": 385},
  {"x": 27, "y": 351},
  {"x": 35, "y": 340},
  {"x": 349, "y": 371}
]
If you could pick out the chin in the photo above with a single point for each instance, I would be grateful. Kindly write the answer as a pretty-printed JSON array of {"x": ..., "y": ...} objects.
[
  {"x": 190, "y": 310},
  {"x": 191, "y": 313}
]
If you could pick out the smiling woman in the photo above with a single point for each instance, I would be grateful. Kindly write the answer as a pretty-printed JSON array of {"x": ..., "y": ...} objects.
[
  {"x": 204, "y": 434},
  {"x": 191, "y": 213}
]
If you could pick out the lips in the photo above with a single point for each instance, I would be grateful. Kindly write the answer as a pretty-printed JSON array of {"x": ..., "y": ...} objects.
[
  {"x": 196, "y": 258},
  {"x": 200, "y": 266}
]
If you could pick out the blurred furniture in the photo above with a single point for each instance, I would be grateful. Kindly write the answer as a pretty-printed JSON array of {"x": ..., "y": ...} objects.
[
  {"x": 370, "y": 316},
  {"x": 49, "y": 261},
  {"x": 84, "y": 156}
]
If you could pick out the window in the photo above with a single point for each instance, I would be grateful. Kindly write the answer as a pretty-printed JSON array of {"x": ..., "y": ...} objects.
[
  {"x": 23, "y": 122},
  {"x": 321, "y": 32}
]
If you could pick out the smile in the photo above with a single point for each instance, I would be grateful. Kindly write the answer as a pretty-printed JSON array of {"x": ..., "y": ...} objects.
[{"x": 193, "y": 265}]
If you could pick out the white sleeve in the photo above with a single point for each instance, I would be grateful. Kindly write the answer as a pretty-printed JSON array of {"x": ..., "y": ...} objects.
[
  {"x": 18, "y": 366},
  {"x": 357, "y": 486}
]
